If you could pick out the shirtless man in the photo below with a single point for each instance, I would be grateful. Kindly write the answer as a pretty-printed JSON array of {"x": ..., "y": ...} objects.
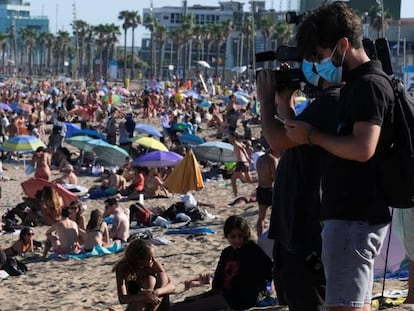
[
  {"x": 120, "y": 223},
  {"x": 63, "y": 235},
  {"x": 117, "y": 181},
  {"x": 41, "y": 160},
  {"x": 242, "y": 170},
  {"x": 266, "y": 166}
]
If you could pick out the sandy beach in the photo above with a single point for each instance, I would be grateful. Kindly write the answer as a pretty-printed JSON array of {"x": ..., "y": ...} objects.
[{"x": 89, "y": 284}]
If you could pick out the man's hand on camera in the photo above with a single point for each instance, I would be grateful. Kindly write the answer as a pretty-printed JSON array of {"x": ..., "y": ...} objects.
[
  {"x": 266, "y": 86},
  {"x": 298, "y": 131}
]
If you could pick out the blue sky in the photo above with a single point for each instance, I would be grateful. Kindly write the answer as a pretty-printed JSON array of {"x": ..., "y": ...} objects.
[{"x": 60, "y": 12}]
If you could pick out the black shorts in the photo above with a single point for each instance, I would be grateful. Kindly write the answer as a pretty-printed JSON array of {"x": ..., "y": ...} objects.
[
  {"x": 242, "y": 167},
  {"x": 264, "y": 196}
]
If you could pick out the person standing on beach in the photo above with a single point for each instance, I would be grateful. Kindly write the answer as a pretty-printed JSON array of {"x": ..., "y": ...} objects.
[
  {"x": 242, "y": 170},
  {"x": 266, "y": 166},
  {"x": 355, "y": 214},
  {"x": 41, "y": 161}
]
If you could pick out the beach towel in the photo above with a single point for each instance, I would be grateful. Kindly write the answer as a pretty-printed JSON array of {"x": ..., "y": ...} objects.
[
  {"x": 97, "y": 251},
  {"x": 198, "y": 230}
]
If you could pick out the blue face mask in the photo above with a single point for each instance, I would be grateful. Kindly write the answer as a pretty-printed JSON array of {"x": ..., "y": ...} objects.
[
  {"x": 328, "y": 70},
  {"x": 309, "y": 73}
]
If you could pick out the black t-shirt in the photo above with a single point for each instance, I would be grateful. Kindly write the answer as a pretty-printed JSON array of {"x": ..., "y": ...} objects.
[
  {"x": 350, "y": 188},
  {"x": 241, "y": 274},
  {"x": 295, "y": 218}
]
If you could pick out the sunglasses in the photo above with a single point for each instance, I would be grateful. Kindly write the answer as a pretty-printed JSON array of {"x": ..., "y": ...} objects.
[{"x": 31, "y": 234}]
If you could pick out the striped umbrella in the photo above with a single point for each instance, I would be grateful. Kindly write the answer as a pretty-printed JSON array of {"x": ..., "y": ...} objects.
[{"x": 22, "y": 144}]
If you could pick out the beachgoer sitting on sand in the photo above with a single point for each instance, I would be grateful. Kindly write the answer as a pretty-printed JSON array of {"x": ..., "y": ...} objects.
[
  {"x": 23, "y": 245},
  {"x": 76, "y": 214},
  {"x": 154, "y": 186},
  {"x": 241, "y": 274},
  {"x": 68, "y": 177},
  {"x": 142, "y": 282},
  {"x": 120, "y": 224},
  {"x": 52, "y": 204},
  {"x": 63, "y": 236},
  {"x": 97, "y": 232},
  {"x": 41, "y": 161}
]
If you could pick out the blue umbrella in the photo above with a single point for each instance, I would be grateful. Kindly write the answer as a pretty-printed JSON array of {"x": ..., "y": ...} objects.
[
  {"x": 71, "y": 128},
  {"x": 107, "y": 153},
  {"x": 190, "y": 139},
  {"x": 147, "y": 129},
  {"x": 91, "y": 133},
  {"x": 205, "y": 104},
  {"x": 215, "y": 151},
  {"x": 158, "y": 159}
]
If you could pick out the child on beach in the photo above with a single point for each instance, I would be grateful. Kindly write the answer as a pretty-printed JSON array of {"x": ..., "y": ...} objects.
[
  {"x": 142, "y": 282},
  {"x": 241, "y": 274}
]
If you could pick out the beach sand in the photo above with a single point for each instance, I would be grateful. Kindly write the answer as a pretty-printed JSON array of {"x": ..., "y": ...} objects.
[{"x": 89, "y": 284}]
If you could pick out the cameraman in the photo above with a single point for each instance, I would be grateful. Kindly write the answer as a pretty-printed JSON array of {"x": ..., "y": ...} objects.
[{"x": 295, "y": 219}]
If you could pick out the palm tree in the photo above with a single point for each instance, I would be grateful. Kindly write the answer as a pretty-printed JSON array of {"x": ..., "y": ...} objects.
[
  {"x": 50, "y": 39},
  {"x": 160, "y": 33},
  {"x": 127, "y": 17},
  {"x": 267, "y": 26},
  {"x": 379, "y": 19},
  {"x": 220, "y": 33},
  {"x": 179, "y": 42},
  {"x": 62, "y": 42},
  {"x": 136, "y": 21},
  {"x": 106, "y": 37},
  {"x": 187, "y": 29},
  {"x": 28, "y": 36},
  {"x": 11, "y": 33},
  {"x": 283, "y": 32},
  {"x": 81, "y": 29},
  {"x": 3, "y": 47}
]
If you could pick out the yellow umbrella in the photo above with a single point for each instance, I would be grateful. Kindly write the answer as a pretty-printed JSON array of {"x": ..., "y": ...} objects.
[
  {"x": 186, "y": 176},
  {"x": 150, "y": 142}
]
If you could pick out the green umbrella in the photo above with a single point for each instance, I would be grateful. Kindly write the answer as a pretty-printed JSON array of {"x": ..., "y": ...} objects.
[
  {"x": 116, "y": 99},
  {"x": 79, "y": 141}
]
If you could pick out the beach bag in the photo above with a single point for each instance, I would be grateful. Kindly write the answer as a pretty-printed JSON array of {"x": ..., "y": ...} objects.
[
  {"x": 141, "y": 214},
  {"x": 396, "y": 164},
  {"x": 11, "y": 265},
  {"x": 193, "y": 211}
]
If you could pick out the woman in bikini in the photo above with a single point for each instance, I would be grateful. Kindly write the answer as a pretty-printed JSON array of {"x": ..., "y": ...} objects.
[
  {"x": 96, "y": 232},
  {"x": 23, "y": 245},
  {"x": 41, "y": 161},
  {"x": 141, "y": 280},
  {"x": 154, "y": 186}
]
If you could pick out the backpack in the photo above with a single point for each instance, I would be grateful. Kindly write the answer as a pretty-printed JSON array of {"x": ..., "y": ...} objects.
[
  {"x": 396, "y": 164},
  {"x": 193, "y": 211},
  {"x": 140, "y": 213}
]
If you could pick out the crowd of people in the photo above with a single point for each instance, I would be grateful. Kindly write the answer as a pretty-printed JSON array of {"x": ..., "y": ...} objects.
[{"x": 315, "y": 169}]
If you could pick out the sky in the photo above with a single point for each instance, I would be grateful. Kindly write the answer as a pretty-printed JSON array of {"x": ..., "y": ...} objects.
[{"x": 94, "y": 12}]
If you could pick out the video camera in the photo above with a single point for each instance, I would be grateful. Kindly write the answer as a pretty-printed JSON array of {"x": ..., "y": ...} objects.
[{"x": 285, "y": 78}]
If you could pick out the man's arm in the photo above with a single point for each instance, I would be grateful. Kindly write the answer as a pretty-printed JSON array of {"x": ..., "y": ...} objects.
[
  {"x": 273, "y": 130},
  {"x": 360, "y": 146}
]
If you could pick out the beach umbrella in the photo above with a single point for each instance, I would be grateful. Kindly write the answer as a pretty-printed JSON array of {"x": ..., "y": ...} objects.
[
  {"x": 22, "y": 144},
  {"x": 204, "y": 104},
  {"x": 190, "y": 139},
  {"x": 215, "y": 151},
  {"x": 203, "y": 63},
  {"x": 25, "y": 107},
  {"x": 147, "y": 129},
  {"x": 192, "y": 93},
  {"x": 113, "y": 99},
  {"x": 149, "y": 142},
  {"x": 5, "y": 107},
  {"x": 180, "y": 127},
  {"x": 78, "y": 141},
  {"x": 32, "y": 185},
  {"x": 107, "y": 153},
  {"x": 71, "y": 128},
  {"x": 158, "y": 159},
  {"x": 186, "y": 176},
  {"x": 89, "y": 132}
]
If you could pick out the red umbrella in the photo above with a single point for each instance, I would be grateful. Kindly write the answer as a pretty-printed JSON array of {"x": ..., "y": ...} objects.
[{"x": 32, "y": 185}]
